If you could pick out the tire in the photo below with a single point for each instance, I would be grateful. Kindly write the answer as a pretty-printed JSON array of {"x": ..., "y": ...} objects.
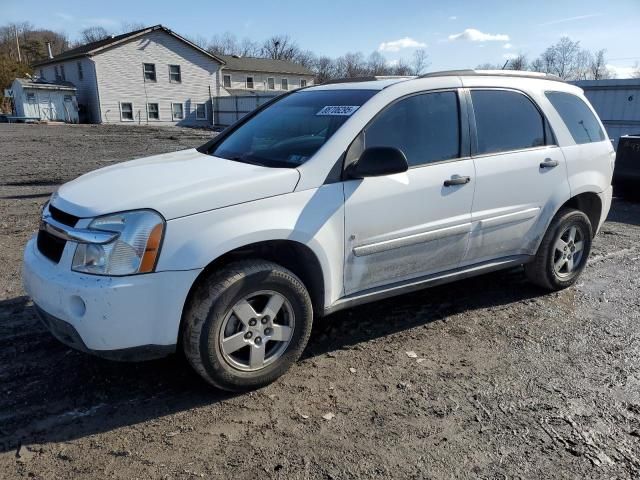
[
  {"x": 233, "y": 320},
  {"x": 558, "y": 247}
]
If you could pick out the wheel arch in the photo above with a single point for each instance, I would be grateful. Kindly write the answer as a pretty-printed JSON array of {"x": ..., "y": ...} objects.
[{"x": 590, "y": 204}]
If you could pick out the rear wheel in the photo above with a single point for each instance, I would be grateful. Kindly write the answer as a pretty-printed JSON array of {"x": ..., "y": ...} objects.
[
  {"x": 247, "y": 324},
  {"x": 563, "y": 253}
]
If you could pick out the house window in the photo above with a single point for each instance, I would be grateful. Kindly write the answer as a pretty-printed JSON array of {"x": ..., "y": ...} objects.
[
  {"x": 174, "y": 74},
  {"x": 284, "y": 84},
  {"x": 153, "y": 113},
  {"x": 249, "y": 82},
  {"x": 126, "y": 112},
  {"x": 176, "y": 111},
  {"x": 42, "y": 74},
  {"x": 271, "y": 83},
  {"x": 149, "y": 72},
  {"x": 201, "y": 111},
  {"x": 62, "y": 75},
  {"x": 57, "y": 72},
  {"x": 303, "y": 83},
  {"x": 226, "y": 81},
  {"x": 31, "y": 98},
  {"x": 80, "y": 73}
]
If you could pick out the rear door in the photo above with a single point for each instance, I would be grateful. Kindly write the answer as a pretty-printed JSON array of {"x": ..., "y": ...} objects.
[
  {"x": 399, "y": 227},
  {"x": 521, "y": 175}
]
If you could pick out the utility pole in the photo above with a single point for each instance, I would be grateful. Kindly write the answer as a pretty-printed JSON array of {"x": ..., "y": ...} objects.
[{"x": 18, "y": 44}]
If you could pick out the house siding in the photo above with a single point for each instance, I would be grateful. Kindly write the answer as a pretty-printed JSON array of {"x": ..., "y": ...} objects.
[
  {"x": 87, "y": 93},
  {"x": 239, "y": 79},
  {"x": 121, "y": 80}
]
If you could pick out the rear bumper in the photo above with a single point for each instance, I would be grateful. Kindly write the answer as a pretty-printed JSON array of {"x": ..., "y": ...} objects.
[{"x": 605, "y": 199}]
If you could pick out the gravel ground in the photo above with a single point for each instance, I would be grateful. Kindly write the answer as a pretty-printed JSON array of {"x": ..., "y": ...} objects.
[{"x": 485, "y": 378}]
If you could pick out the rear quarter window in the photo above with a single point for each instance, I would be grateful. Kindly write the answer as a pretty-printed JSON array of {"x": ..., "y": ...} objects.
[{"x": 577, "y": 116}]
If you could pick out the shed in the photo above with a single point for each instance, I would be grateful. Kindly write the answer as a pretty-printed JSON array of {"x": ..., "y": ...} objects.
[
  {"x": 617, "y": 102},
  {"x": 48, "y": 101}
]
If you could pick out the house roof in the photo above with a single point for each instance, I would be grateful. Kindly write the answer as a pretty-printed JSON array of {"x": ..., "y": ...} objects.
[
  {"x": 267, "y": 65},
  {"x": 41, "y": 84},
  {"x": 92, "y": 48}
]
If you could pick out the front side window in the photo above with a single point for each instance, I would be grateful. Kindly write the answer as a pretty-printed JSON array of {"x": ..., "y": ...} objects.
[
  {"x": 284, "y": 84},
  {"x": 579, "y": 119},
  {"x": 149, "y": 72},
  {"x": 226, "y": 81},
  {"x": 176, "y": 111},
  {"x": 506, "y": 121},
  {"x": 303, "y": 83},
  {"x": 153, "y": 111},
  {"x": 126, "y": 111},
  {"x": 426, "y": 127},
  {"x": 175, "y": 74},
  {"x": 271, "y": 83},
  {"x": 292, "y": 129},
  {"x": 249, "y": 82},
  {"x": 201, "y": 111}
]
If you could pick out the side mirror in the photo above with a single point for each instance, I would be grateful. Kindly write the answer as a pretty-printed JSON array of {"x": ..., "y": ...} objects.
[{"x": 378, "y": 161}]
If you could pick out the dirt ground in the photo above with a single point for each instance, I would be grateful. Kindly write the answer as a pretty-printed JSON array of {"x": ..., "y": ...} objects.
[{"x": 485, "y": 378}]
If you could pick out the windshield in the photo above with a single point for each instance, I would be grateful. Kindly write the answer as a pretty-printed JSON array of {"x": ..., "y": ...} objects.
[{"x": 290, "y": 131}]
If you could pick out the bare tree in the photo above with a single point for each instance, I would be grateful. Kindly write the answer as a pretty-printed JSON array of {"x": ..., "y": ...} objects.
[
  {"x": 351, "y": 65},
  {"x": 280, "y": 47},
  {"x": 636, "y": 71},
  {"x": 325, "y": 69},
  {"x": 518, "y": 62},
  {"x": 377, "y": 64},
  {"x": 126, "y": 27},
  {"x": 537, "y": 65},
  {"x": 93, "y": 34},
  {"x": 401, "y": 68},
  {"x": 598, "y": 68},
  {"x": 420, "y": 61},
  {"x": 489, "y": 66}
]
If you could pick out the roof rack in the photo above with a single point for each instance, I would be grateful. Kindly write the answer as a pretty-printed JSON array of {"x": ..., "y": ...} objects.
[
  {"x": 368, "y": 78},
  {"x": 491, "y": 73}
]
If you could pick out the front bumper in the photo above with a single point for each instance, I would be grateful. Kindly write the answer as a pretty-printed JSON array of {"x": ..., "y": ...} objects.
[{"x": 126, "y": 318}]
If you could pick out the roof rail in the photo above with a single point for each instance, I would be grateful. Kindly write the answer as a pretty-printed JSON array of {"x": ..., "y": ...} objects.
[
  {"x": 367, "y": 78},
  {"x": 491, "y": 73}
]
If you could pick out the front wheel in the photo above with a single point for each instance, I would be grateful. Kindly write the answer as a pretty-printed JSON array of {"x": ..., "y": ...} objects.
[
  {"x": 247, "y": 324},
  {"x": 563, "y": 252}
]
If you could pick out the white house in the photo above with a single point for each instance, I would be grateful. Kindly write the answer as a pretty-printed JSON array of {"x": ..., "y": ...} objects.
[
  {"x": 52, "y": 101},
  {"x": 149, "y": 76},
  {"x": 260, "y": 76}
]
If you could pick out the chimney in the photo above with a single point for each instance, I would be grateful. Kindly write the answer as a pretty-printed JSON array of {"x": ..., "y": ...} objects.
[{"x": 49, "y": 50}]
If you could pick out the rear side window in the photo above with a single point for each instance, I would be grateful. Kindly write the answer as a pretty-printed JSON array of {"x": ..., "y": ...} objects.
[
  {"x": 579, "y": 119},
  {"x": 425, "y": 127},
  {"x": 506, "y": 121}
]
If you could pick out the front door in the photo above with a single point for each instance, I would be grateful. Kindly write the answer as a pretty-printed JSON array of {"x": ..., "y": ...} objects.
[
  {"x": 403, "y": 226},
  {"x": 521, "y": 176}
]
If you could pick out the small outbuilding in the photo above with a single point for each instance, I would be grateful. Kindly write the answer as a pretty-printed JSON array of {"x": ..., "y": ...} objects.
[{"x": 46, "y": 101}]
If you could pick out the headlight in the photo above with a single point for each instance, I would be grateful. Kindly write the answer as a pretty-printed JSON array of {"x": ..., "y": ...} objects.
[{"x": 134, "y": 251}]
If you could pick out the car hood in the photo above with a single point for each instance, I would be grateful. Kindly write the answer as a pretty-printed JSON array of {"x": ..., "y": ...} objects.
[{"x": 174, "y": 184}]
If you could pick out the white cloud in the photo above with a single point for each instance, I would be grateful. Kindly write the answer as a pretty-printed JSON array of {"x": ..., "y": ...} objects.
[
  {"x": 621, "y": 72},
  {"x": 509, "y": 56},
  {"x": 65, "y": 16},
  {"x": 473, "y": 35},
  {"x": 570, "y": 19},
  {"x": 397, "y": 45},
  {"x": 507, "y": 46},
  {"x": 453, "y": 17}
]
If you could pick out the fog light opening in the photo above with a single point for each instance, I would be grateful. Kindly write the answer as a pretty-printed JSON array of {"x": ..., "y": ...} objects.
[{"x": 77, "y": 306}]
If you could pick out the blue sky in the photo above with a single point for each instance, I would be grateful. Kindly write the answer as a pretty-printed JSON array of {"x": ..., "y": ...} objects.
[{"x": 456, "y": 34}]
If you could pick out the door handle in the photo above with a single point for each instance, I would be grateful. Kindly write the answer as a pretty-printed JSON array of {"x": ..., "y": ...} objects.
[
  {"x": 456, "y": 180},
  {"x": 548, "y": 163}
]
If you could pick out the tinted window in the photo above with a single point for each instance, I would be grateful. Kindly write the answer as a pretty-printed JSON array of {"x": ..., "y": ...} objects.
[
  {"x": 291, "y": 130},
  {"x": 425, "y": 127},
  {"x": 506, "y": 121},
  {"x": 578, "y": 118}
]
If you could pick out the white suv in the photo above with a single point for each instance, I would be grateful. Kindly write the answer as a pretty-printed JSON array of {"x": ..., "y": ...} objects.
[{"x": 328, "y": 197}]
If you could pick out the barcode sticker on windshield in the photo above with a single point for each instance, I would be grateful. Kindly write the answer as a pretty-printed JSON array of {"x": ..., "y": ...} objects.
[{"x": 339, "y": 110}]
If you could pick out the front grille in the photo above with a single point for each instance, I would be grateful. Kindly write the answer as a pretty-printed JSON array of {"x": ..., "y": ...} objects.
[{"x": 50, "y": 246}]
